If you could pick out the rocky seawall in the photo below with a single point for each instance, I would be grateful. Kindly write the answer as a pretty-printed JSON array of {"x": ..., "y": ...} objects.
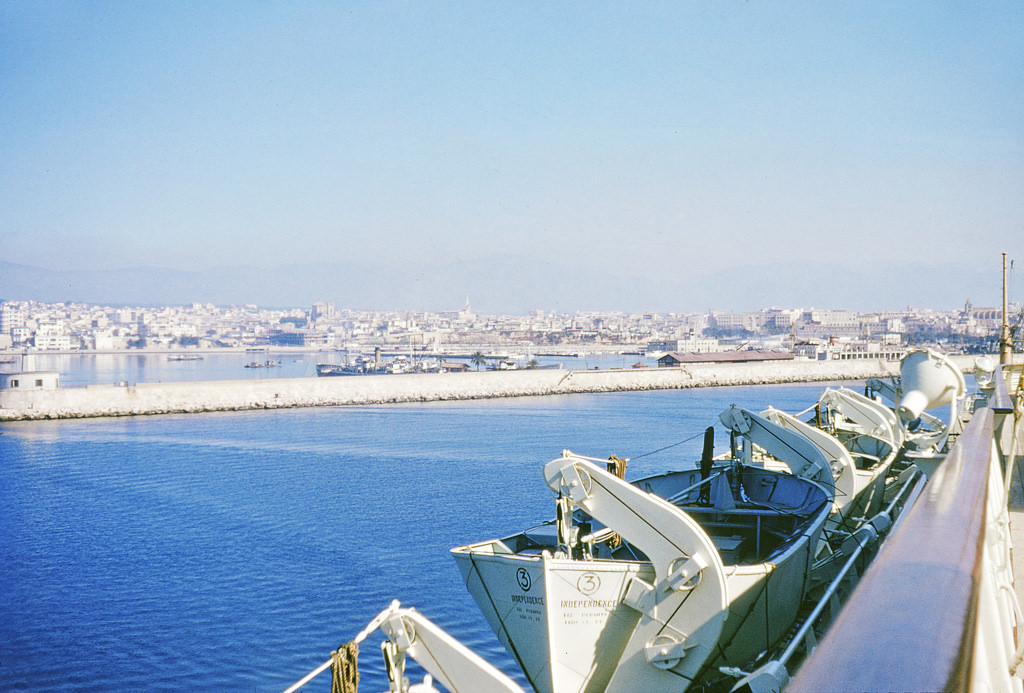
[{"x": 231, "y": 395}]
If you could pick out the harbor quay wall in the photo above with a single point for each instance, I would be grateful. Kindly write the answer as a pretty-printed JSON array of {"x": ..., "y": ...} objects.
[{"x": 231, "y": 395}]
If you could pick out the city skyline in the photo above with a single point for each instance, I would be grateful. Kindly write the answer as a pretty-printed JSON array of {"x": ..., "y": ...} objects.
[
  {"x": 615, "y": 154},
  {"x": 22, "y": 321}
]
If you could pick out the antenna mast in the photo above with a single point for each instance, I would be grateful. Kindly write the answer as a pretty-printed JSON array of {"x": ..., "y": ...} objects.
[{"x": 1005, "y": 345}]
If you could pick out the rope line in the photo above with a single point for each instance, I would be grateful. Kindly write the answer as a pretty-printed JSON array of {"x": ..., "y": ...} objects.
[{"x": 681, "y": 442}]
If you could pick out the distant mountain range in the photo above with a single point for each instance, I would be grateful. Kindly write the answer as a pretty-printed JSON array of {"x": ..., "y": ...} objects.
[{"x": 511, "y": 284}]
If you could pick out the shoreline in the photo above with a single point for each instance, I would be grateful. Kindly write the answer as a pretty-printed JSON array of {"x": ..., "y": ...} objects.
[
  {"x": 445, "y": 350},
  {"x": 241, "y": 395}
]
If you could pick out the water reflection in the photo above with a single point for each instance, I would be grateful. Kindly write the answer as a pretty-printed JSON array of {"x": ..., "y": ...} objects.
[{"x": 78, "y": 370}]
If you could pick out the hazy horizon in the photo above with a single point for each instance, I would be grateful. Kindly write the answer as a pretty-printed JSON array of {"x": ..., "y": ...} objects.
[
  {"x": 570, "y": 156},
  {"x": 420, "y": 288}
]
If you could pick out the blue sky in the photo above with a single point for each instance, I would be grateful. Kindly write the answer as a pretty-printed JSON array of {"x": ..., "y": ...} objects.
[{"x": 639, "y": 139}]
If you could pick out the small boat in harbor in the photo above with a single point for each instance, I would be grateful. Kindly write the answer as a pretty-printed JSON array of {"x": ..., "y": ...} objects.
[
  {"x": 263, "y": 364},
  {"x": 184, "y": 357},
  {"x": 363, "y": 365},
  {"x": 325, "y": 370},
  {"x": 360, "y": 366},
  {"x": 504, "y": 365}
]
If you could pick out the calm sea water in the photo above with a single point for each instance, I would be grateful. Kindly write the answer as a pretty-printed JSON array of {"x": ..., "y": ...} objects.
[
  {"x": 107, "y": 369},
  {"x": 234, "y": 551}
]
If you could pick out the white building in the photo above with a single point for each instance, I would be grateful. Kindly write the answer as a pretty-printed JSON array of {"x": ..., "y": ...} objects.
[
  {"x": 693, "y": 344},
  {"x": 30, "y": 380},
  {"x": 53, "y": 337}
]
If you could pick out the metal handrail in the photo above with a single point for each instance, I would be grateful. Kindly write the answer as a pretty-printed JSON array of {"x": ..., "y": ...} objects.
[
  {"x": 1001, "y": 402},
  {"x": 910, "y": 489},
  {"x": 910, "y": 623}
]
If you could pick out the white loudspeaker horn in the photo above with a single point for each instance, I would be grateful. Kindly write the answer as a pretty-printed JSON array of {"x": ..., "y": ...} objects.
[{"x": 928, "y": 379}]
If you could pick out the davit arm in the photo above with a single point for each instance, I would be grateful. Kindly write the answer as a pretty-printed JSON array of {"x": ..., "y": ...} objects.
[
  {"x": 840, "y": 462},
  {"x": 410, "y": 633},
  {"x": 803, "y": 457},
  {"x": 457, "y": 667},
  {"x": 872, "y": 417},
  {"x": 682, "y": 612}
]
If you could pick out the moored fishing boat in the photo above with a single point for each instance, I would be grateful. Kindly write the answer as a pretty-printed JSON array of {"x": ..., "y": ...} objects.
[{"x": 335, "y": 369}]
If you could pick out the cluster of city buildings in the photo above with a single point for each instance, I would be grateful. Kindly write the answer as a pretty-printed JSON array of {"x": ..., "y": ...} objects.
[{"x": 29, "y": 325}]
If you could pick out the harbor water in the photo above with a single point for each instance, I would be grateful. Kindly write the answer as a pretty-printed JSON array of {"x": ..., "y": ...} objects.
[
  {"x": 79, "y": 369},
  {"x": 233, "y": 551}
]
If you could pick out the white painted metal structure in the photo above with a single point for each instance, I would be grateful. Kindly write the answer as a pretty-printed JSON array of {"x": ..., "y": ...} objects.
[
  {"x": 860, "y": 438},
  {"x": 948, "y": 567},
  {"x": 641, "y": 587},
  {"x": 409, "y": 633},
  {"x": 928, "y": 379}
]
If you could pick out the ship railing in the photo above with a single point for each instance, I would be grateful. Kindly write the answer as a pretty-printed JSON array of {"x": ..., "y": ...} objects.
[
  {"x": 864, "y": 538},
  {"x": 936, "y": 610}
]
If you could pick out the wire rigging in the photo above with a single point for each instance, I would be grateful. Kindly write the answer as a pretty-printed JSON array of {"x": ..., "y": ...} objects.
[{"x": 667, "y": 447}]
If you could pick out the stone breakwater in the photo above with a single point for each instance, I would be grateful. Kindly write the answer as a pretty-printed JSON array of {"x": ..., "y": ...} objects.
[{"x": 233, "y": 395}]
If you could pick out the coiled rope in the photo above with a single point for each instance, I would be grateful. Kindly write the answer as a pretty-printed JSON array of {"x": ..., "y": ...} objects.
[{"x": 345, "y": 668}]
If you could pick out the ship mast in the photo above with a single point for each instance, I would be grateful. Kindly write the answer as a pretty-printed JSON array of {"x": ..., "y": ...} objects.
[{"x": 1005, "y": 345}]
